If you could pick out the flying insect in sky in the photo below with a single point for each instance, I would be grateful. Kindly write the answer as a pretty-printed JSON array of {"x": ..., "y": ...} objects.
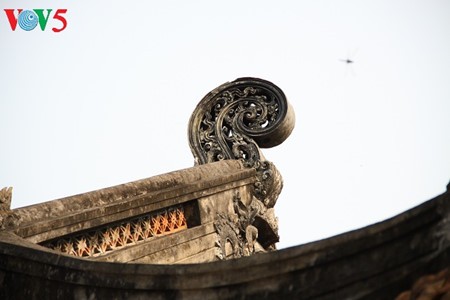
[
  {"x": 349, "y": 60},
  {"x": 350, "y": 57}
]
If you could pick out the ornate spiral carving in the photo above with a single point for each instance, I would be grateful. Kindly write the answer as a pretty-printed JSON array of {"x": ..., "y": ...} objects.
[
  {"x": 237, "y": 118},
  {"x": 234, "y": 120}
]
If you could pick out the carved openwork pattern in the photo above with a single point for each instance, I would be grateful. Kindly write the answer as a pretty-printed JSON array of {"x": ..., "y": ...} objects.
[
  {"x": 233, "y": 120},
  {"x": 237, "y": 118},
  {"x": 103, "y": 240}
]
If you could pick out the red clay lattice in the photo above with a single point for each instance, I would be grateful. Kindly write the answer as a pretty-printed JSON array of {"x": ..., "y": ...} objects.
[{"x": 109, "y": 238}]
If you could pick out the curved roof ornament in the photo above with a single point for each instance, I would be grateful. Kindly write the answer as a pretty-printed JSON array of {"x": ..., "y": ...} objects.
[{"x": 236, "y": 119}]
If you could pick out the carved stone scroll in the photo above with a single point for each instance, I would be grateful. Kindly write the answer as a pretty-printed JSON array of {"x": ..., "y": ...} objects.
[{"x": 234, "y": 120}]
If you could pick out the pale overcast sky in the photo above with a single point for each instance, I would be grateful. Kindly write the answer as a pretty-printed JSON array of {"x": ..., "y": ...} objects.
[{"x": 107, "y": 100}]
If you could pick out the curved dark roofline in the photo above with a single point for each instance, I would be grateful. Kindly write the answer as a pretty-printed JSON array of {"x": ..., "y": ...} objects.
[{"x": 375, "y": 262}]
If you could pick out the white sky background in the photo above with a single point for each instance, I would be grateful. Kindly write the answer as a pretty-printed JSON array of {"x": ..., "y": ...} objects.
[{"x": 107, "y": 101}]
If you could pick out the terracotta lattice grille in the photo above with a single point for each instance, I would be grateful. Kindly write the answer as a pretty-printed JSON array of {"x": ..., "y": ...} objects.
[{"x": 109, "y": 238}]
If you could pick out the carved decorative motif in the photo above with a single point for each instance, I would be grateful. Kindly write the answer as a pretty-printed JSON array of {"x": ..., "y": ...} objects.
[
  {"x": 237, "y": 118},
  {"x": 103, "y": 240},
  {"x": 239, "y": 232},
  {"x": 5, "y": 198},
  {"x": 233, "y": 122},
  {"x": 8, "y": 219}
]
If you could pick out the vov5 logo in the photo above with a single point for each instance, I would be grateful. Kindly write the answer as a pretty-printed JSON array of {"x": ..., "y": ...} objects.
[{"x": 29, "y": 19}]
